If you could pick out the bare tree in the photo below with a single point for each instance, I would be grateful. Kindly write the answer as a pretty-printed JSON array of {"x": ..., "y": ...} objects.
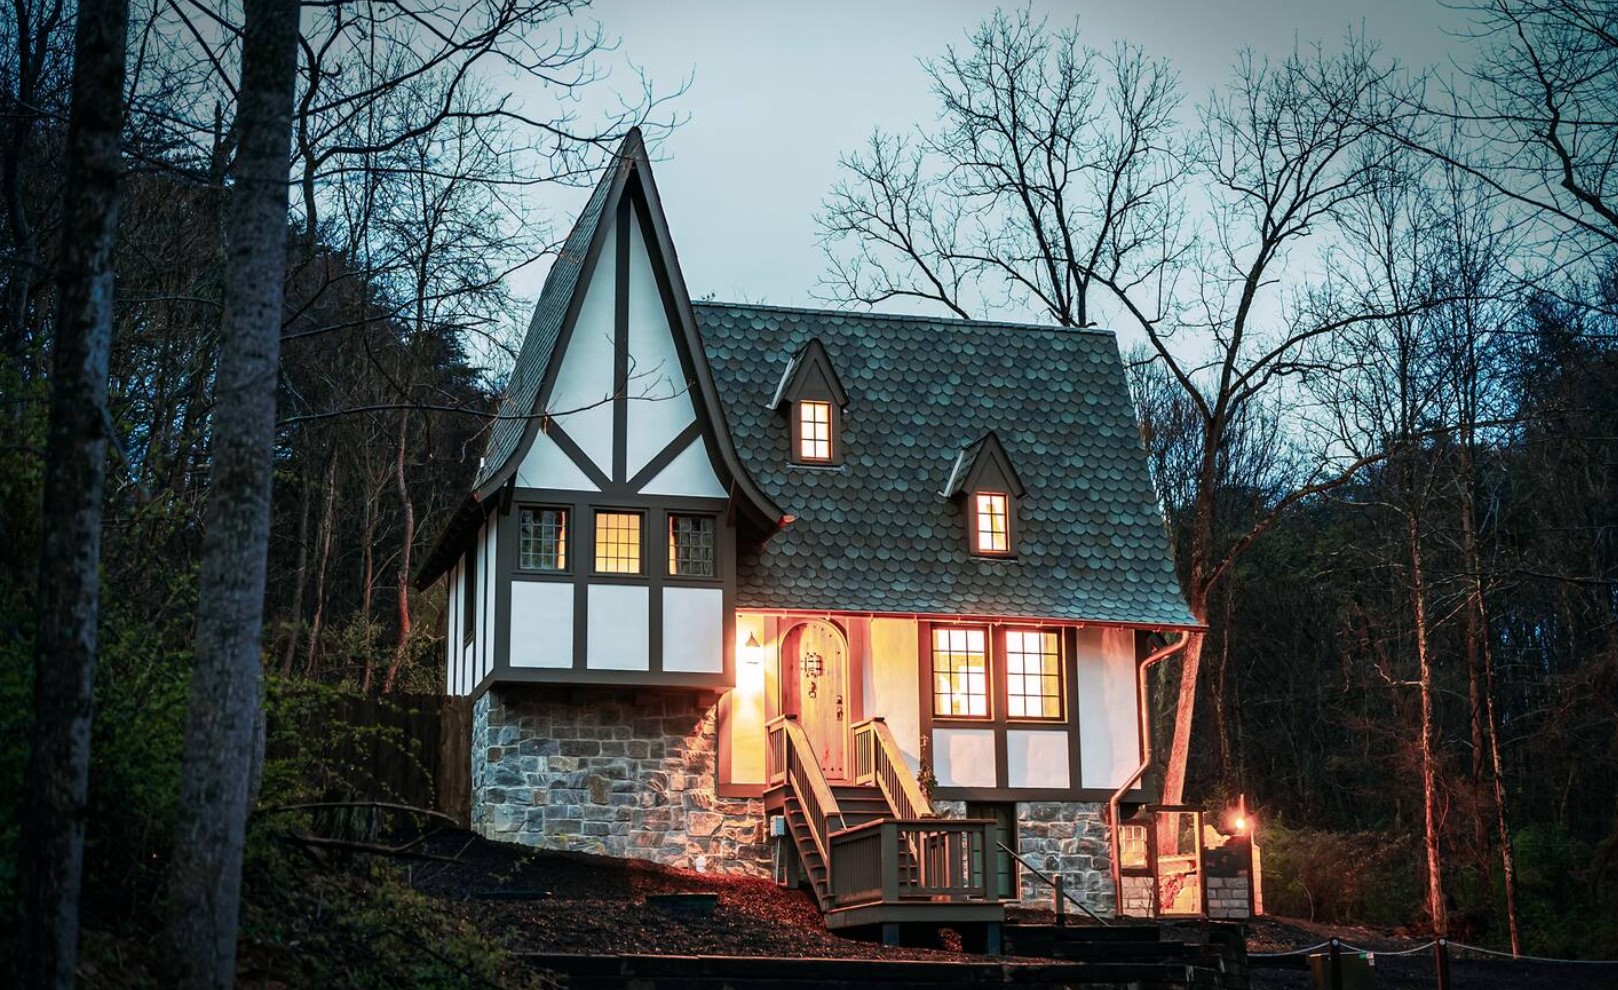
[
  {"x": 205, "y": 879},
  {"x": 1537, "y": 123},
  {"x": 1053, "y": 189},
  {"x": 57, "y": 781}
]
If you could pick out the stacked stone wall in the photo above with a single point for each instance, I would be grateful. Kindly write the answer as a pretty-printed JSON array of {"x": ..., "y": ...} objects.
[
  {"x": 616, "y": 772},
  {"x": 1228, "y": 897},
  {"x": 1059, "y": 837},
  {"x": 1139, "y": 895}
]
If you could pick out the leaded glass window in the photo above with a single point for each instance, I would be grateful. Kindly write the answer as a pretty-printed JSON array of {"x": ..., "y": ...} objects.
[
  {"x": 542, "y": 540},
  {"x": 691, "y": 545}
]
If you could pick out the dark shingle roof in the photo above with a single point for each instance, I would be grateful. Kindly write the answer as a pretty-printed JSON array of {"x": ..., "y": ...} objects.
[
  {"x": 876, "y": 535},
  {"x": 535, "y": 355}
]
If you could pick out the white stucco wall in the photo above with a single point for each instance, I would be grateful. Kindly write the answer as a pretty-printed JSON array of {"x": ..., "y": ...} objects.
[
  {"x": 1109, "y": 740},
  {"x": 1037, "y": 758},
  {"x": 892, "y": 683},
  {"x": 541, "y": 624},
  {"x": 963, "y": 757},
  {"x": 694, "y": 629},
  {"x": 584, "y": 381},
  {"x": 617, "y": 637}
]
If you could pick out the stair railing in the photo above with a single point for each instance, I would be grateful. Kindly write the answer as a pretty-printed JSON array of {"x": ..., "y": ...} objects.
[
  {"x": 792, "y": 763},
  {"x": 1056, "y": 885},
  {"x": 878, "y": 760}
]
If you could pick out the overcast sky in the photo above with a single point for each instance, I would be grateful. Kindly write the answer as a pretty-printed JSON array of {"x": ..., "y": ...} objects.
[{"x": 778, "y": 90}]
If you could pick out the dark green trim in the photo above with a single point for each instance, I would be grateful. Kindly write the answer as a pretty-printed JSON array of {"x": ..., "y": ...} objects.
[
  {"x": 665, "y": 457},
  {"x": 996, "y": 721},
  {"x": 620, "y": 346},
  {"x": 574, "y": 453}
]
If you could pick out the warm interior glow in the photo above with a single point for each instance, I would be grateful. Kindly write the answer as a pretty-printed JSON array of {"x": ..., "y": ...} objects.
[
  {"x": 617, "y": 543},
  {"x": 960, "y": 673},
  {"x": 994, "y": 536},
  {"x": 814, "y": 430},
  {"x": 752, "y": 650}
]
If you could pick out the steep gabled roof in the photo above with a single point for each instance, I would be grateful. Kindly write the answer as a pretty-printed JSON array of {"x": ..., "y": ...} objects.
[
  {"x": 877, "y": 535},
  {"x": 534, "y": 373},
  {"x": 983, "y": 454},
  {"x": 550, "y": 313}
]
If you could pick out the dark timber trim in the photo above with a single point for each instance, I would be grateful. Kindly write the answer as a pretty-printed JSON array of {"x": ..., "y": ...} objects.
[
  {"x": 576, "y": 454},
  {"x": 654, "y": 511},
  {"x": 997, "y": 720},
  {"x": 620, "y": 346},
  {"x": 665, "y": 457}
]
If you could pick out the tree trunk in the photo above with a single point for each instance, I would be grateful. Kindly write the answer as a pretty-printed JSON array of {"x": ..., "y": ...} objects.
[
  {"x": 300, "y": 577},
  {"x": 1478, "y": 623},
  {"x": 216, "y": 772},
  {"x": 327, "y": 525},
  {"x": 56, "y": 784},
  {"x": 404, "y": 557},
  {"x": 1429, "y": 769}
]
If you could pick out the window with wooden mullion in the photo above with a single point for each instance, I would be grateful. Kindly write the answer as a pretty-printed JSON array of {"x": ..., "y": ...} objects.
[
  {"x": 960, "y": 672},
  {"x": 691, "y": 545},
  {"x": 617, "y": 543},
  {"x": 1033, "y": 674},
  {"x": 993, "y": 522},
  {"x": 814, "y": 430},
  {"x": 542, "y": 540}
]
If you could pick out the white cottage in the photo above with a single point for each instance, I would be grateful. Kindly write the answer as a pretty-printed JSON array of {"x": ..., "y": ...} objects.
[{"x": 854, "y": 598}]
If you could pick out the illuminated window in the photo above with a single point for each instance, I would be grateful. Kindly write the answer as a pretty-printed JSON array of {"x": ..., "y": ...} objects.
[
  {"x": 617, "y": 542},
  {"x": 960, "y": 673},
  {"x": 814, "y": 430},
  {"x": 691, "y": 546},
  {"x": 542, "y": 540},
  {"x": 1033, "y": 675},
  {"x": 993, "y": 532}
]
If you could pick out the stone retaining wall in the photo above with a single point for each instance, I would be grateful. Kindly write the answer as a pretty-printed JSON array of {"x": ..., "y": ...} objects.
[
  {"x": 1066, "y": 837},
  {"x": 616, "y": 772},
  {"x": 1228, "y": 897}
]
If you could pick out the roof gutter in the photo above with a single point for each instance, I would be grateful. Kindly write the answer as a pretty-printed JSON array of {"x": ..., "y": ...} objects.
[{"x": 1144, "y": 707}]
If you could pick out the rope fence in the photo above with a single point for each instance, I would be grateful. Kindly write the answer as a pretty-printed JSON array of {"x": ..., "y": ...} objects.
[{"x": 1428, "y": 946}]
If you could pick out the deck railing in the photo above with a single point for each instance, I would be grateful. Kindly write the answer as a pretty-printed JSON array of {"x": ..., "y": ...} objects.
[
  {"x": 791, "y": 761},
  {"x": 878, "y": 760},
  {"x": 935, "y": 860}
]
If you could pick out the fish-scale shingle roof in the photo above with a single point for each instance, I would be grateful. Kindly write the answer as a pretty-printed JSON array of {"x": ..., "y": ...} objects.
[
  {"x": 527, "y": 374},
  {"x": 876, "y": 535}
]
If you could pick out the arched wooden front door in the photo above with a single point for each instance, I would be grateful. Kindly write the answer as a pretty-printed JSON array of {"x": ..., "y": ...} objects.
[{"x": 815, "y": 688}]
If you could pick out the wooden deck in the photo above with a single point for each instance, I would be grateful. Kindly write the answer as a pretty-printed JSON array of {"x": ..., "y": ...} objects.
[{"x": 870, "y": 848}]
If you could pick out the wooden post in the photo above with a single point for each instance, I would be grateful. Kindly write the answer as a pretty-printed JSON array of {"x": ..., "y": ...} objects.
[
  {"x": 1441, "y": 962},
  {"x": 890, "y": 867},
  {"x": 1335, "y": 962},
  {"x": 1061, "y": 908},
  {"x": 890, "y": 933}
]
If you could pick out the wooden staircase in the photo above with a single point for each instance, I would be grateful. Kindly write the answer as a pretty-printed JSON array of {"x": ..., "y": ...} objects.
[{"x": 870, "y": 848}]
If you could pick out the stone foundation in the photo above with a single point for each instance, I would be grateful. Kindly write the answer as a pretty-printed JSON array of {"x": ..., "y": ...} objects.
[
  {"x": 1228, "y": 897},
  {"x": 1066, "y": 837},
  {"x": 1139, "y": 896},
  {"x": 616, "y": 772}
]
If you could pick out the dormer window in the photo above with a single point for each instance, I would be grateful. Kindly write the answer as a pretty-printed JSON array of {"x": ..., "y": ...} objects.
[
  {"x": 993, "y": 531},
  {"x": 811, "y": 395},
  {"x": 814, "y": 430},
  {"x": 986, "y": 486}
]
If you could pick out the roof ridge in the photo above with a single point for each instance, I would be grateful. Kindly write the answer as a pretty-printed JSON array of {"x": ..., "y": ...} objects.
[{"x": 907, "y": 317}]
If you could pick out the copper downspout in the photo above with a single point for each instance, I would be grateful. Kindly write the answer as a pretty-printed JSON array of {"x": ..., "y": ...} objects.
[{"x": 1144, "y": 705}]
